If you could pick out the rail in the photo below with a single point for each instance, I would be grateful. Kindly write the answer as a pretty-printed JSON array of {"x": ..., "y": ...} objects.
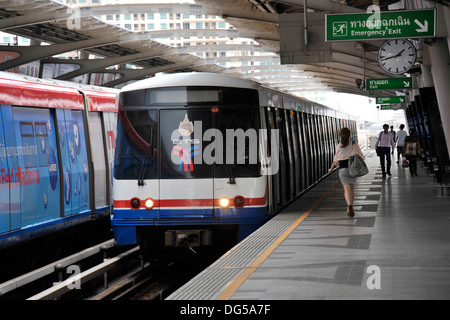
[
  {"x": 34, "y": 275},
  {"x": 63, "y": 287}
]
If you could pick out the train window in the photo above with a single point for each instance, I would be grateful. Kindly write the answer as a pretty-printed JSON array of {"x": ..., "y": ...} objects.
[
  {"x": 184, "y": 95},
  {"x": 137, "y": 143},
  {"x": 241, "y": 125},
  {"x": 199, "y": 96},
  {"x": 182, "y": 146},
  {"x": 133, "y": 98},
  {"x": 42, "y": 143},
  {"x": 29, "y": 149}
]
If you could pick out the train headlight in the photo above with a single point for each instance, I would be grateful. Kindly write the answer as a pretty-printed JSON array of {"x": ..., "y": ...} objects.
[
  {"x": 135, "y": 203},
  {"x": 224, "y": 202},
  {"x": 149, "y": 203}
]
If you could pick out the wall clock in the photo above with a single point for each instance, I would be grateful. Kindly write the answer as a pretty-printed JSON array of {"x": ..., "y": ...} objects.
[{"x": 397, "y": 56}]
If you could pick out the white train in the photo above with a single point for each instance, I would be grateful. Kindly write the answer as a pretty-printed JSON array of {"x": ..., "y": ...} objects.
[{"x": 201, "y": 157}]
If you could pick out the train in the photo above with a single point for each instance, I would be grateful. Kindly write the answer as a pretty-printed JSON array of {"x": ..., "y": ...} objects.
[
  {"x": 57, "y": 143},
  {"x": 202, "y": 158}
]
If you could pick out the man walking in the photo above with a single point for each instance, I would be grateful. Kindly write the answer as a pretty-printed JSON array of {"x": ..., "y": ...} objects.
[
  {"x": 384, "y": 142},
  {"x": 400, "y": 141}
]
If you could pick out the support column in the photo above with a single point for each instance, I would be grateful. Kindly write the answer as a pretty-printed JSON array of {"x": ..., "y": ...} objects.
[
  {"x": 440, "y": 69},
  {"x": 427, "y": 77}
]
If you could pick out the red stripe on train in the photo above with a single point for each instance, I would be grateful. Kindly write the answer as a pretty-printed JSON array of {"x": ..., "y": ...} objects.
[{"x": 189, "y": 202}]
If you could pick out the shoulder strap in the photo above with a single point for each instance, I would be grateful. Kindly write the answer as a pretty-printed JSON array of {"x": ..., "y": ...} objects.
[{"x": 379, "y": 139}]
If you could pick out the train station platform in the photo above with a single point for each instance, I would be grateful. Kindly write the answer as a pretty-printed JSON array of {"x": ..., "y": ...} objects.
[{"x": 396, "y": 247}]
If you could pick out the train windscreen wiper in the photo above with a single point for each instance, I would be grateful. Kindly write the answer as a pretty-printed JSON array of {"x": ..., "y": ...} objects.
[
  {"x": 147, "y": 155},
  {"x": 229, "y": 170}
]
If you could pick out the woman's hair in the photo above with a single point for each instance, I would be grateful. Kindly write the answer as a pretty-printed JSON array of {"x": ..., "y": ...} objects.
[{"x": 345, "y": 136}]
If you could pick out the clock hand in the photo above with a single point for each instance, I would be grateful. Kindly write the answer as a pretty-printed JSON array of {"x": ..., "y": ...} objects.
[{"x": 395, "y": 56}]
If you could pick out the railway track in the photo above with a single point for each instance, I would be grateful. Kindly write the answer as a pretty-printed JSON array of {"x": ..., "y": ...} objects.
[
  {"x": 58, "y": 278},
  {"x": 103, "y": 272}
]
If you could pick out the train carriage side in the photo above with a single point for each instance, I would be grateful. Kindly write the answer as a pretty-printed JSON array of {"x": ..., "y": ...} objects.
[
  {"x": 102, "y": 119},
  {"x": 308, "y": 134},
  {"x": 44, "y": 161}
]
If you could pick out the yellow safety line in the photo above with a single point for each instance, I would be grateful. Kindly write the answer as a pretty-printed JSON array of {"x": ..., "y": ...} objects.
[{"x": 236, "y": 283}]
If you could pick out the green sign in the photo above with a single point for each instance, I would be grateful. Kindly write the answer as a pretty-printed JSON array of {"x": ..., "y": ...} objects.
[
  {"x": 396, "y": 99},
  {"x": 387, "y": 84},
  {"x": 380, "y": 25},
  {"x": 385, "y": 107}
]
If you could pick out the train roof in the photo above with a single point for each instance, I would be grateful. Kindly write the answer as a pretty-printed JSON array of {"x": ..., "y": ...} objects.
[
  {"x": 214, "y": 79},
  {"x": 54, "y": 93},
  {"x": 191, "y": 79}
]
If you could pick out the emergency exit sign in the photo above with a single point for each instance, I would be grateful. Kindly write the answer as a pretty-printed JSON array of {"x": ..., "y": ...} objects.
[
  {"x": 387, "y": 84},
  {"x": 380, "y": 25}
]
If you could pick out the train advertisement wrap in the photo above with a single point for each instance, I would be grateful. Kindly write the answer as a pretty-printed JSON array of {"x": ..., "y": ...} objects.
[{"x": 45, "y": 174}]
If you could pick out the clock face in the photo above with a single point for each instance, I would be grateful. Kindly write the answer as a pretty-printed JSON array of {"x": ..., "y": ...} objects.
[{"x": 397, "y": 56}]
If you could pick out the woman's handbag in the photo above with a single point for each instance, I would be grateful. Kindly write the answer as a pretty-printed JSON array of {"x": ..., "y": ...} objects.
[{"x": 357, "y": 167}]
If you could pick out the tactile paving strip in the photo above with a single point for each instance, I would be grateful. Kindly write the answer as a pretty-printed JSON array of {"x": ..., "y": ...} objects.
[{"x": 214, "y": 279}]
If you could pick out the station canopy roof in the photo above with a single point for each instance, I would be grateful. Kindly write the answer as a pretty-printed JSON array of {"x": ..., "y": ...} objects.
[{"x": 57, "y": 24}]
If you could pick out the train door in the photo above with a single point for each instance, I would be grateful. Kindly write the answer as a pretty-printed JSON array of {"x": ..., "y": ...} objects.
[
  {"x": 307, "y": 148},
  {"x": 323, "y": 145},
  {"x": 75, "y": 169},
  {"x": 329, "y": 141},
  {"x": 291, "y": 175},
  {"x": 110, "y": 133},
  {"x": 81, "y": 160},
  {"x": 319, "y": 146},
  {"x": 98, "y": 157},
  {"x": 302, "y": 155},
  {"x": 297, "y": 153},
  {"x": 284, "y": 158},
  {"x": 32, "y": 165},
  {"x": 186, "y": 180},
  {"x": 14, "y": 159},
  {"x": 4, "y": 185},
  {"x": 313, "y": 143},
  {"x": 275, "y": 178}
]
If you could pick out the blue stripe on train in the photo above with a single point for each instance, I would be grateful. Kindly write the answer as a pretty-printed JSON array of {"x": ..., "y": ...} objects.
[
  {"x": 32, "y": 231},
  {"x": 126, "y": 221}
]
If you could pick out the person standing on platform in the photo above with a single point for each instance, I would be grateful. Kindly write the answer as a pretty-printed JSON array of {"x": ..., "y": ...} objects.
[
  {"x": 384, "y": 142},
  {"x": 400, "y": 141},
  {"x": 392, "y": 132},
  {"x": 344, "y": 150},
  {"x": 412, "y": 151}
]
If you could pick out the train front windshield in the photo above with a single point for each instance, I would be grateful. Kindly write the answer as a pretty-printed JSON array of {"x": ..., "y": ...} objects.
[{"x": 188, "y": 132}]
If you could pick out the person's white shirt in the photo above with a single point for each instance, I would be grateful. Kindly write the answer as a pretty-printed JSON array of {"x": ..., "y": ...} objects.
[{"x": 401, "y": 135}]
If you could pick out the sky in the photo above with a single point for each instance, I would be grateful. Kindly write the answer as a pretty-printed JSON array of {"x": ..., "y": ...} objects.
[{"x": 365, "y": 108}]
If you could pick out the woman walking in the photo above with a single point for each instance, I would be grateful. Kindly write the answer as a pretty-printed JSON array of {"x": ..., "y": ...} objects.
[
  {"x": 411, "y": 150},
  {"x": 344, "y": 150}
]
